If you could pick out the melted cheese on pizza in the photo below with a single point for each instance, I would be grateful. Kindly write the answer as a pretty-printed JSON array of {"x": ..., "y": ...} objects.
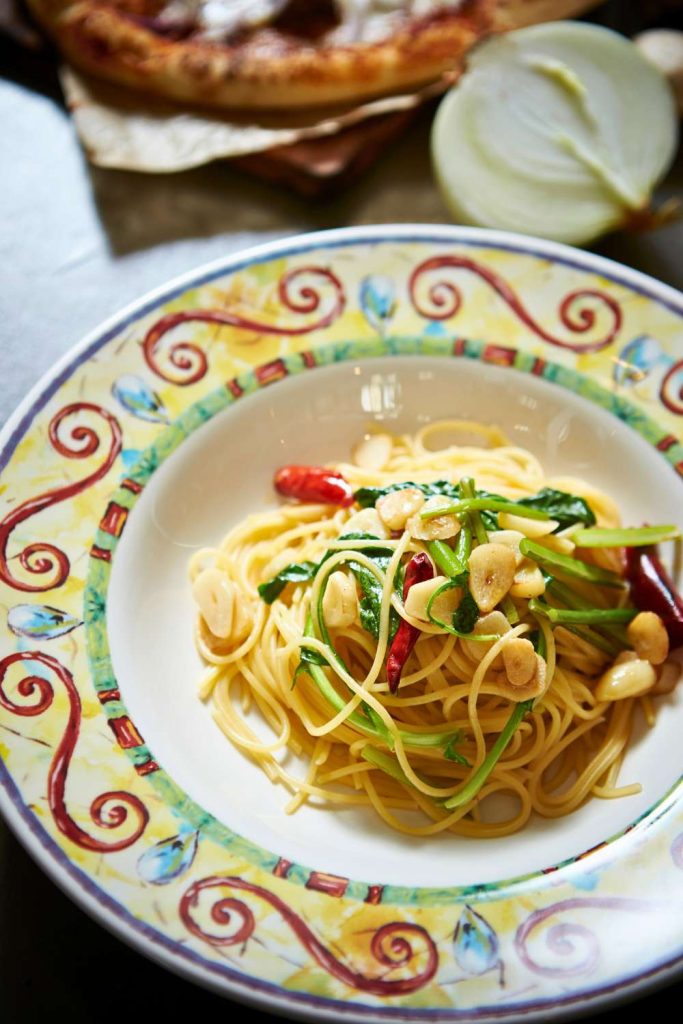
[
  {"x": 223, "y": 17},
  {"x": 370, "y": 21},
  {"x": 359, "y": 21}
]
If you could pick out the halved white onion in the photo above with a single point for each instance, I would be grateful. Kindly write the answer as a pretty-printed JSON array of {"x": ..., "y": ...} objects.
[{"x": 559, "y": 130}]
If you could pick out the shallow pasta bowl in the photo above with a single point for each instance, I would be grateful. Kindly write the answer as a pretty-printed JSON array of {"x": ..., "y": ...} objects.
[{"x": 162, "y": 430}]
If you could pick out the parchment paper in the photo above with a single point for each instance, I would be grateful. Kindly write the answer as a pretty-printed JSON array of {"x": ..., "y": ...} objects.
[{"x": 127, "y": 131}]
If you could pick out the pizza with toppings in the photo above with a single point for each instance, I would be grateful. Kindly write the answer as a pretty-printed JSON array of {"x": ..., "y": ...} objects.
[{"x": 267, "y": 54}]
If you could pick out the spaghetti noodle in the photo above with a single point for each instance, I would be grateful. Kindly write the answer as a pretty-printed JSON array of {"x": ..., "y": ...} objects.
[{"x": 439, "y": 631}]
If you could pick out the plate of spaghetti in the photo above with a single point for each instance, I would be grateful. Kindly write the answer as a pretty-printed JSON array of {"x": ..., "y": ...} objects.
[{"x": 342, "y": 597}]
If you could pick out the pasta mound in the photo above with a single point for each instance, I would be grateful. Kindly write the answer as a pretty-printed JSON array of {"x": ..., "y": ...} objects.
[{"x": 456, "y": 747}]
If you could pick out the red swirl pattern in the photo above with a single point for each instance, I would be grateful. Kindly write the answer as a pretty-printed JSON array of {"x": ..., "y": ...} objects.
[
  {"x": 446, "y": 299},
  {"x": 390, "y": 945},
  {"x": 670, "y": 392},
  {"x": 41, "y": 558},
  {"x": 297, "y": 297},
  {"x": 571, "y": 939},
  {"x": 109, "y": 810}
]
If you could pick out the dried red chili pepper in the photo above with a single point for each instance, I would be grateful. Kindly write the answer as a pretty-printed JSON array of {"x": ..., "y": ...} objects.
[
  {"x": 314, "y": 484},
  {"x": 652, "y": 590},
  {"x": 418, "y": 570}
]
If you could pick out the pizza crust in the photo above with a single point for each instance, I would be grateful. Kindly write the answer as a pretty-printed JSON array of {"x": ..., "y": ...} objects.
[{"x": 265, "y": 69}]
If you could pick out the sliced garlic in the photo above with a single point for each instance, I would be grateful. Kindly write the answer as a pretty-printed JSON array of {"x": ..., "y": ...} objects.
[
  {"x": 533, "y": 687},
  {"x": 366, "y": 520},
  {"x": 528, "y": 581},
  {"x": 492, "y": 624},
  {"x": 373, "y": 452},
  {"x": 624, "y": 679},
  {"x": 437, "y": 528},
  {"x": 519, "y": 658},
  {"x": 492, "y": 571},
  {"x": 340, "y": 601},
  {"x": 396, "y": 507},
  {"x": 511, "y": 539},
  {"x": 443, "y": 606},
  {"x": 214, "y": 594},
  {"x": 647, "y": 633}
]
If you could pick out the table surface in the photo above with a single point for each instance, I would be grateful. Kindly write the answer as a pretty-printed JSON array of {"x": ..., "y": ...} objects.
[{"x": 78, "y": 243}]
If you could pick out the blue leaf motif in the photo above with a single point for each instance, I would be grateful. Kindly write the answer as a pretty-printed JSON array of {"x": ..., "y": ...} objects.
[
  {"x": 377, "y": 301},
  {"x": 136, "y": 396},
  {"x": 129, "y": 456},
  {"x": 637, "y": 360},
  {"x": 436, "y": 329},
  {"x": 40, "y": 621},
  {"x": 475, "y": 944},
  {"x": 169, "y": 858},
  {"x": 587, "y": 881}
]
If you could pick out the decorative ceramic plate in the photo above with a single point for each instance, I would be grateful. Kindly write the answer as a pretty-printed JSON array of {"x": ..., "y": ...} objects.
[{"x": 162, "y": 429}]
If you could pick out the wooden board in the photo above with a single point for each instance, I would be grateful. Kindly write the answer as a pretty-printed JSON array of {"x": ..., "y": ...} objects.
[{"x": 317, "y": 167}]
